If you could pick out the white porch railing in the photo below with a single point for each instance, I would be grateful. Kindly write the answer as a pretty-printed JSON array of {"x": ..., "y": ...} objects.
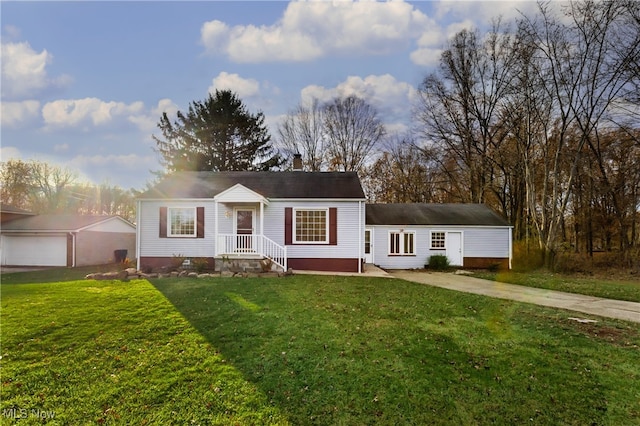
[{"x": 250, "y": 244}]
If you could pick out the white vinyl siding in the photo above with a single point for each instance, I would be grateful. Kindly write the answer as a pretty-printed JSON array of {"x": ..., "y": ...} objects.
[
  {"x": 491, "y": 242},
  {"x": 151, "y": 245},
  {"x": 486, "y": 242},
  {"x": 350, "y": 229}
]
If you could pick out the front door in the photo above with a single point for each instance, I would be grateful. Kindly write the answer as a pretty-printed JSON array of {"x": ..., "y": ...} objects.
[
  {"x": 244, "y": 226},
  {"x": 368, "y": 246},
  {"x": 454, "y": 248}
]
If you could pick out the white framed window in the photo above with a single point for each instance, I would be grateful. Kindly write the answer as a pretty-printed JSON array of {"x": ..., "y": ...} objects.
[
  {"x": 438, "y": 240},
  {"x": 402, "y": 243},
  {"x": 181, "y": 222},
  {"x": 311, "y": 226}
]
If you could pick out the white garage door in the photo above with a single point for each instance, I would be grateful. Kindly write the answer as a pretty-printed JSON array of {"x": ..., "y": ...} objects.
[{"x": 34, "y": 251}]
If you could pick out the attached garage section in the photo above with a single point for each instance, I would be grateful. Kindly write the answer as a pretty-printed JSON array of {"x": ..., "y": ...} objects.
[{"x": 34, "y": 250}]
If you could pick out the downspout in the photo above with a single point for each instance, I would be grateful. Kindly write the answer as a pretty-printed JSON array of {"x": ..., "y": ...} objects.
[
  {"x": 510, "y": 246},
  {"x": 360, "y": 235},
  {"x": 261, "y": 227},
  {"x": 215, "y": 227},
  {"x": 138, "y": 235},
  {"x": 73, "y": 249}
]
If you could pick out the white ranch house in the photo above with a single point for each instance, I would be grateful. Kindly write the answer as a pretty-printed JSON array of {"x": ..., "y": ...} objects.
[{"x": 305, "y": 221}]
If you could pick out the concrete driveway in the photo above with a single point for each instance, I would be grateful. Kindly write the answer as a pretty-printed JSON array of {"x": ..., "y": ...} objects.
[
  {"x": 629, "y": 311},
  {"x": 12, "y": 269}
]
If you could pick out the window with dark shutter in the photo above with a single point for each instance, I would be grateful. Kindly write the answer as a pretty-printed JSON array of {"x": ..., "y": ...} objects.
[
  {"x": 311, "y": 226},
  {"x": 333, "y": 226},
  {"x": 200, "y": 222},
  {"x": 288, "y": 225},
  {"x": 163, "y": 222},
  {"x": 181, "y": 222}
]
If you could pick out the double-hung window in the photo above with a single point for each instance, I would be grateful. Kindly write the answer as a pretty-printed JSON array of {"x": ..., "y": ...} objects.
[
  {"x": 402, "y": 243},
  {"x": 437, "y": 240},
  {"x": 311, "y": 226},
  {"x": 182, "y": 222}
]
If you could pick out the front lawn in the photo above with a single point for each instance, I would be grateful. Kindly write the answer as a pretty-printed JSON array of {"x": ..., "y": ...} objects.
[
  {"x": 306, "y": 350},
  {"x": 590, "y": 286}
]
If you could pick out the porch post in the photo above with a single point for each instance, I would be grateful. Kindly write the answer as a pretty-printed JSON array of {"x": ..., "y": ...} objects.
[{"x": 261, "y": 227}]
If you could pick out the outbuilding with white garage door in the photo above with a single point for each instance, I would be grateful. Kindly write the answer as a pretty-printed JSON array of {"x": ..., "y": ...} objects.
[{"x": 65, "y": 240}]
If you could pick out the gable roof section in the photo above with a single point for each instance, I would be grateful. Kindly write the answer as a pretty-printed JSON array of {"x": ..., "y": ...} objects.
[
  {"x": 433, "y": 214},
  {"x": 240, "y": 193},
  {"x": 297, "y": 184},
  {"x": 6, "y": 208},
  {"x": 57, "y": 223}
]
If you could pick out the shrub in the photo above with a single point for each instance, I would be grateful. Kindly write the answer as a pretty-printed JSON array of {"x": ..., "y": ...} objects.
[
  {"x": 200, "y": 264},
  {"x": 438, "y": 262},
  {"x": 526, "y": 257},
  {"x": 176, "y": 261}
]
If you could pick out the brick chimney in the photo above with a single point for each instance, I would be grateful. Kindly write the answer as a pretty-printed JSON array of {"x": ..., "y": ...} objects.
[{"x": 297, "y": 162}]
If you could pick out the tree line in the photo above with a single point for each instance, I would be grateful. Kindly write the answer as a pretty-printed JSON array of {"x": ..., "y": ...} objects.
[
  {"x": 43, "y": 188},
  {"x": 538, "y": 118}
]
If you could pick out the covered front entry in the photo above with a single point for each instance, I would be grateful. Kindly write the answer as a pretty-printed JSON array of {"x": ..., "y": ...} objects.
[
  {"x": 247, "y": 229},
  {"x": 244, "y": 227}
]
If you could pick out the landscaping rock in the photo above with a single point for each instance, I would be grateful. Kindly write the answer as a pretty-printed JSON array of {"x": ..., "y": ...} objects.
[{"x": 192, "y": 275}]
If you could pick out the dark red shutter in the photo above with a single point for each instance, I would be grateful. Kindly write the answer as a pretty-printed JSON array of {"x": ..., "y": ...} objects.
[
  {"x": 163, "y": 222},
  {"x": 288, "y": 225},
  {"x": 200, "y": 222},
  {"x": 333, "y": 226}
]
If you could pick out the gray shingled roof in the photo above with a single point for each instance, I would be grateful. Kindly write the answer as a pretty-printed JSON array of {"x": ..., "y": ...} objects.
[
  {"x": 53, "y": 222},
  {"x": 6, "y": 208},
  {"x": 294, "y": 184},
  {"x": 433, "y": 214}
]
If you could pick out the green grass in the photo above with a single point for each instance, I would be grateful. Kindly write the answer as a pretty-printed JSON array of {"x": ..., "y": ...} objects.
[
  {"x": 307, "y": 350},
  {"x": 591, "y": 286},
  {"x": 50, "y": 275}
]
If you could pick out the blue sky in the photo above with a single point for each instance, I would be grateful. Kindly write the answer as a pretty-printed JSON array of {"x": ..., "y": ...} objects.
[{"x": 84, "y": 83}]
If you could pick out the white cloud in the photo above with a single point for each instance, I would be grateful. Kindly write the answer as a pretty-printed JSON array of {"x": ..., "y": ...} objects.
[
  {"x": 123, "y": 170},
  {"x": 427, "y": 57},
  {"x": 24, "y": 71},
  {"x": 147, "y": 121},
  {"x": 376, "y": 89},
  {"x": 12, "y": 32},
  {"x": 243, "y": 87},
  {"x": 77, "y": 112},
  {"x": 16, "y": 113},
  {"x": 481, "y": 12},
  {"x": 61, "y": 147},
  {"x": 392, "y": 98},
  {"x": 128, "y": 161},
  {"x": 9, "y": 153},
  {"x": 309, "y": 30}
]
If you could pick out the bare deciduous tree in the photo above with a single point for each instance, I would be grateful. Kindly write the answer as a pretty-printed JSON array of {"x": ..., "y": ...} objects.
[
  {"x": 352, "y": 131},
  {"x": 302, "y": 133}
]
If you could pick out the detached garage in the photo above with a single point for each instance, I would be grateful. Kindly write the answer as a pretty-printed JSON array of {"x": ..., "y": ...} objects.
[
  {"x": 65, "y": 240},
  {"x": 404, "y": 236}
]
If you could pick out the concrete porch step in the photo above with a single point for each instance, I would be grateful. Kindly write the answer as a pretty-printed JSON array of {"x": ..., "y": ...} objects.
[{"x": 246, "y": 263}]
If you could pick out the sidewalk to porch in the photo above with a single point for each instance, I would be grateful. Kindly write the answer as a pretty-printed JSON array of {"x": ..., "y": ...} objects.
[{"x": 369, "y": 271}]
